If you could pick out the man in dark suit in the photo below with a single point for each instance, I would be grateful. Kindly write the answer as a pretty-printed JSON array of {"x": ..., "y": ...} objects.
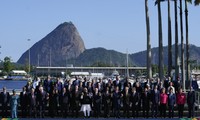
[
  {"x": 155, "y": 98},
  {"x": 24, "y": 101},
  {"x": 42, "y": 101},
  {"x": 64, "y": 102},
  {"x": 146, "y": 102},
  {"x": 106, "y": 102},
  {"x": 5, "y": 99},
  {"x": 116, "y": 96},
  {"x": 135, "y": 98},
  {"x": 190, "y": 102},
  {"x": 75, "y": 101},
  {"x": 32, "y": 103},
  {"x": 126, "y": 101},
  {"x": 97, "y": 102}
]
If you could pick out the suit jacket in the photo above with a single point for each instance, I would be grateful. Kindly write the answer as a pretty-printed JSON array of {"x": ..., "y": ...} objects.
[
  {"x": 5, "y": 98},
  {"x": 171, "y": 99},
  {"x": 23, "y": 99},
  {"x": 190, "y": 98},
  {"x": 155, "y": 97},
  {"x": 97, "y": 99},
  {"x": 116, "y": 99},
  {"x": 146, "y": 98},
  {"x": 126, "y": 98},
  {"x": 135, "y": 98},
  {"x": 32, "y": 99},
  {"x": 42, "y": 98},
  {"x": 64, "y": 98}
]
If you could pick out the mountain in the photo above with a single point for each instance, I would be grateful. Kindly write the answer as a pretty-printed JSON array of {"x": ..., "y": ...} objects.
[
  {"x": 65, "y": 46},
  {"x": 140, "y": 57},
  {"x": 100, "y": 57},
  {"x": 64, "y": 42}
]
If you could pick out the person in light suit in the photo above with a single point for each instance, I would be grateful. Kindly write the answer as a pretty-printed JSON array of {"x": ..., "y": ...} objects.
[{"x": 13, "y": 104}]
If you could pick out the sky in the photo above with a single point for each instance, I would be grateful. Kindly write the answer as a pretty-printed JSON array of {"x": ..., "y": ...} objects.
[{"x": 113, "y": 24}]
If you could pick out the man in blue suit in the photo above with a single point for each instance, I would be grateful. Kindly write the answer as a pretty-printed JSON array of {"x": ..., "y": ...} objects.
[
  {"x": 116, "y": 102},
  {"x": 155, "y": 98},
  {"x": 171, "y": 102}
]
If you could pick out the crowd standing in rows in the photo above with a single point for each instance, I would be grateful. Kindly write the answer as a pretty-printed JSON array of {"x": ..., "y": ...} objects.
[{"x": 98, "y": 99}]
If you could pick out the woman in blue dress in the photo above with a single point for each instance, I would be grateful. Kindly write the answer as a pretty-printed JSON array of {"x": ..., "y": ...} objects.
[{"x": 13, "y": 104}]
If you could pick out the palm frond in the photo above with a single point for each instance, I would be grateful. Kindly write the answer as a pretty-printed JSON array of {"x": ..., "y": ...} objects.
[
  {"x": 190, "y": 1},
  {"x": 197, "y": 2},
  {"x": 156, "y": 2}
]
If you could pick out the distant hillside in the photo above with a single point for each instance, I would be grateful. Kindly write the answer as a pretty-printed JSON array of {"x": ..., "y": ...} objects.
[
  {"x": 100, "y": 55},
  {"x": 140, "y": 57}
]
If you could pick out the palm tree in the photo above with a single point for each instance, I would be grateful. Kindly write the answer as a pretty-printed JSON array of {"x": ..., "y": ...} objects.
[
  {"x": 149, "y": 67},
  {"x": 182, "y": 47},
  {"x": 176, "y": 40},
  {"x": 169, "y": 41},
  {"x": 187, "y": 39},
  {"x": 161, "y": 65}
]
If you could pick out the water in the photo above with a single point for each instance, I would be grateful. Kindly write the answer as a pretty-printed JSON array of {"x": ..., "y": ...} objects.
[{"x": 12, "y": 84}]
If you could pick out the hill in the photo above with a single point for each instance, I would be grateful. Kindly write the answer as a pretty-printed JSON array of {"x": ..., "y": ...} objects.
[{"x": 64, "y": 42}]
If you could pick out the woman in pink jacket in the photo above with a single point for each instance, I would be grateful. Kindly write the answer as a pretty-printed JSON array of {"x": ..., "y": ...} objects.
[
  {"x": 163, "y": 103},
  {"x": 181, "y": 99}
]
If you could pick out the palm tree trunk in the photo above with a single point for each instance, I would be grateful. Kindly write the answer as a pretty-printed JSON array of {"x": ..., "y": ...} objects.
[
  {"x": 187, "y": 41},
  {"x": 161, "y": 65},
  {"x": 149, "y": 68},
  {"x": 176, "y": 41},
  {"x": 169, "y": 41},
  {"x": 182, "y": 47}
]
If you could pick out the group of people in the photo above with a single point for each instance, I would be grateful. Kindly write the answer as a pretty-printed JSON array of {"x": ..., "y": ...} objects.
[{"x": 97, "y": 98}]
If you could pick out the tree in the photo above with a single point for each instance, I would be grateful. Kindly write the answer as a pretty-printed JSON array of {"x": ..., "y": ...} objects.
[
  {"x": 160, "y": 64},
  {"x": 176, "y": 40},
  {"x": 169, "y": 40},
  {"x": 7, "y": 65},
  {"x": 149, "y": 67},
  {"x": 187, "y": 39}
]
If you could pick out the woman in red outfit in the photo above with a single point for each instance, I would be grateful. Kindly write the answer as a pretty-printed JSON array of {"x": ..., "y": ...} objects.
[
  {"x": 181, "y": 98},
  {"x": 163, "y": 103}
]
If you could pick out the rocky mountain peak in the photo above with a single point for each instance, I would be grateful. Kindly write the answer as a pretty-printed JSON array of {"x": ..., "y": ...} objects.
[{"x": 63, "y": 43}]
